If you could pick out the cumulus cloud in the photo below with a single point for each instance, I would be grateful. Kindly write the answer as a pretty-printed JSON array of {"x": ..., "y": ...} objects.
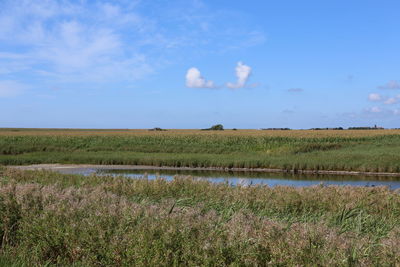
[
  {"x": 386, "y": 100},
  {"x": 195, "y": 80},
  {"x": 11, "y": 88},
  {"x": 390, "y": 85},
  {"x": 242, "y": 73},
  {"x": 374, "y": 97}
]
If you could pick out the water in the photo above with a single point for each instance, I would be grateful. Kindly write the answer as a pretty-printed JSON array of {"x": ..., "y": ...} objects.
[{"x": 247, "y": 178}]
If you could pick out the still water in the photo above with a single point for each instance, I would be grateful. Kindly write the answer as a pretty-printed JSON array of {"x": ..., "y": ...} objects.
[{"x": 248, "y": 178}]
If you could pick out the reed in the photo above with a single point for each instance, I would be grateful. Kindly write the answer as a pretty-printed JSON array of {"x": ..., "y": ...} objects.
[
  {"x": 373, "y": 150},
  {"x": 50, "y": 219}
]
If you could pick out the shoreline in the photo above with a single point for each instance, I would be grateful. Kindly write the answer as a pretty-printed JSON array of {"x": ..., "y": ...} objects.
[{"x": 55, "y": 167}]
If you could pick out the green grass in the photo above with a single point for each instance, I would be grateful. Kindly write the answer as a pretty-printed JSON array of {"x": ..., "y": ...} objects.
[
  {"x": 361, "y": 153},
  {"x": 49, "y": 219}
]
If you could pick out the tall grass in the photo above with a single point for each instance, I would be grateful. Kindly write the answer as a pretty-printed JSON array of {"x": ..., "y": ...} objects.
[
  {"x": 48, "y": 218},
  {"x": 362, "y": 153}
]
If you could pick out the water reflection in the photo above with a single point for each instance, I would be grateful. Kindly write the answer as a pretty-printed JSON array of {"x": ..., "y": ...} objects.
[{"x": 250, "y": 178}]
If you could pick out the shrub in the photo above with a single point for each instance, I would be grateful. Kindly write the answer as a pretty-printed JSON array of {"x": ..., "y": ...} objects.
[{"x": 217, "y": 127}]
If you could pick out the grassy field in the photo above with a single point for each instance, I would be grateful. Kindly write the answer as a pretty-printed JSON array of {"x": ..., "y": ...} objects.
[
  {"x": 377, "y": 150},
  {"x": 357, "y": 150},
  {"x": 69, "y": 220}
]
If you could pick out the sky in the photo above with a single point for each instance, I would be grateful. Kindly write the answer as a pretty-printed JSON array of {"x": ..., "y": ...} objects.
[{"x": 196, "y": 63}]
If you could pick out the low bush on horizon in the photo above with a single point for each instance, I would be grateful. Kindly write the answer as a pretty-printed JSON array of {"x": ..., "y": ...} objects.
[
  {"x": 49, "y": 219},
  {"x": 216, "y": 127}
]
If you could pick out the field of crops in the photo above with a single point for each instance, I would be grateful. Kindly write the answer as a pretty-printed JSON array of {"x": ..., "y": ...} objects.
[
  {"x": 50, "y": 219},
  {"x": 182, "y": 132},
  {"x": 357, "y": 150}
]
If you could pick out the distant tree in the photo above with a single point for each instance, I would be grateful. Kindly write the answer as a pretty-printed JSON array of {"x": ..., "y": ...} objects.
[
  {"x": 275, "y": 129},
  {"x": 217, "y": 127},
  {"x": 157, "y": 129},
  {"x": 366, "y": 128}
]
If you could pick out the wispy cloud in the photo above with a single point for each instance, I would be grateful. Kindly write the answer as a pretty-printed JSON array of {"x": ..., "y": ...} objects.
[
  {"x": 195, "y": 80},
  {"x": 65, "y": 41},
  {"x": 391, "y": 100},
  {"x": 242, "y": 73},
  {"x": 390, "y": 85},
  {"x": 68, "y": 42},
  {"x": 11, "y": 88},
  {"x": 374, "y": 110},
  {"x": 374, "y": 97},
  {"x": 288, "y": 111},
  {"x": 295, "y": 90}
]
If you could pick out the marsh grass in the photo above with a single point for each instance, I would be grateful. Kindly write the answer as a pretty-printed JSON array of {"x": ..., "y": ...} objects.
[
  {"x": 244, "y": 149},
  {"x": 54, "y": 219}
]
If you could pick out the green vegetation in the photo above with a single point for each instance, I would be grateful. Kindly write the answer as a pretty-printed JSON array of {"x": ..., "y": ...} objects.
[
  {"x": 157, "y": 129},
  {"x": 50, "y": 219},
  {"x": 297, "y": 150},
  {"x": 217, "y": 127},
  {"x": 335, "y": 129}
]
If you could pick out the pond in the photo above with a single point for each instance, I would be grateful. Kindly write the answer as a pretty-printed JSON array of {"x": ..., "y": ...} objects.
[{"x": 245, "y": 178}]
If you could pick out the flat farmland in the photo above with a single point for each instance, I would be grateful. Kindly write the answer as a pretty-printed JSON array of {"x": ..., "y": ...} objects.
[{"x": 183, "y": 132}]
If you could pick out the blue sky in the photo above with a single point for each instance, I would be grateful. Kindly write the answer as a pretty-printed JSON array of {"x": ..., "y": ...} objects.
[{"x": 193, "y": 63}]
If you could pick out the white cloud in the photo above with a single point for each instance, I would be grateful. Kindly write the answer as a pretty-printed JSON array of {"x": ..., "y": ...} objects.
[
  {"x": 242, "y": 73},
  {"x": 76, "y": 47},
  {"x": 11, "y": 88},
  {"x": 374, "y": 97},
  {"x": 195, "y": 80},
  {"x": 396, "y": 112},
  {"x": 391, "y": 100},
  {"x": 68, "y": 42},
  {"x": 84, "y": 42},
  {"x": 390, "y": 85},
  {"x": 375, "y": 109}
]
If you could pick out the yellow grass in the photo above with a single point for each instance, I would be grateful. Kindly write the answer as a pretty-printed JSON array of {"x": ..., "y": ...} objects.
[{"x": 174, "y": 132}]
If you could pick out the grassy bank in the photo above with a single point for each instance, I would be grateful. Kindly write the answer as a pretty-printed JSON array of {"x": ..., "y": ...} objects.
[
  {"x": 377, "y": 151},
  {"x": 50, "y": 218}
]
